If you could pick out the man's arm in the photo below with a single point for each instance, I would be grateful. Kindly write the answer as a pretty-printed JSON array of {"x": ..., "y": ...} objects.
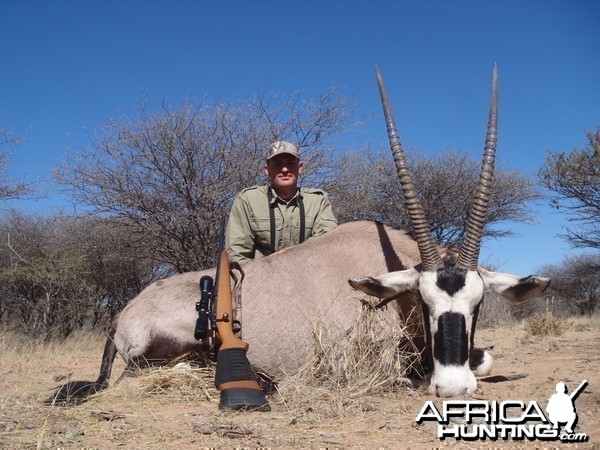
[
  {"x": 325, "y": 220},
  {"x": 239, "y": 238}
]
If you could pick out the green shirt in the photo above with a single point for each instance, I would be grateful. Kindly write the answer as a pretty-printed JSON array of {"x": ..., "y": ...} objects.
[{"x": 248, "y": 233}]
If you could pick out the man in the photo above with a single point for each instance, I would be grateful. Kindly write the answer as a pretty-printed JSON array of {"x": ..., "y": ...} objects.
[
  {"x": 264, "y": 219},
  {"x": 561, "y": 409}
]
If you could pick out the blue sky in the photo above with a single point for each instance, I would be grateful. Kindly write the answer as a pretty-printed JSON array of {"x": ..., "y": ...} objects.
[{"x": 69, "y": 66}]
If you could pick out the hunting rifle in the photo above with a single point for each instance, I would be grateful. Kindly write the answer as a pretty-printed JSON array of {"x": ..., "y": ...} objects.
[{"x": 234, "y": 377}]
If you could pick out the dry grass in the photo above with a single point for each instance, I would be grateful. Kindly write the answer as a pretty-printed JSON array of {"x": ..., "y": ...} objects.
[
  {"x": 183, "y": 383},
  {"x": 23, "y": 353},
  {"x": 22, "y": 346},
  {"x": 546, "y": 325},
  {"x": 549, "y": 324},
  {"x": 373, "y": 357},
  {"x": 316, "y": 408},
  {"x": 585, "y": 323}
]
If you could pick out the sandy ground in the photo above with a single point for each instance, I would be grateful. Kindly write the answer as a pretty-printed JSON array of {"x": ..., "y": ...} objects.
[{"x": 121, "y": 417}]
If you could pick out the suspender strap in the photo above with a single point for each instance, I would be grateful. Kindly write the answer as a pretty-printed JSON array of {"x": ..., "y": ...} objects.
[
  {"x": 302, "y": 218},
  {"x": 271, "y": 217}
]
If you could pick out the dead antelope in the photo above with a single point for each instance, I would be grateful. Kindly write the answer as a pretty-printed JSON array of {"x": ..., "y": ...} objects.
[
  {"x": 284, "y": 292},
  {"x": 451, "y": 288}
]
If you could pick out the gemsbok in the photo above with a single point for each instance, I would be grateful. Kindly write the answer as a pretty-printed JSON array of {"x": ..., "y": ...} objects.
[{"x": 284, "y": 292}]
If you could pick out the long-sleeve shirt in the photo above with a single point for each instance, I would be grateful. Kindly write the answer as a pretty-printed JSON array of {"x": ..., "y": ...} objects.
[{"x": 248, "y": 233}]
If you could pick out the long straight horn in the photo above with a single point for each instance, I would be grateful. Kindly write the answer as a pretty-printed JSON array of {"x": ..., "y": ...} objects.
[
  {"x": 430, "y": 257},
  {"x": 469, "y": 251}
]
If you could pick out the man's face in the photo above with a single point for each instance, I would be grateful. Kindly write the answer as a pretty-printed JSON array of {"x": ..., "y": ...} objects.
[{"x": 283, "y": 171}]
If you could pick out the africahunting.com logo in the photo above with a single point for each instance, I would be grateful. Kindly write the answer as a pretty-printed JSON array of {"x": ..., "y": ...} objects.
[{"x": 510, "y": 419}]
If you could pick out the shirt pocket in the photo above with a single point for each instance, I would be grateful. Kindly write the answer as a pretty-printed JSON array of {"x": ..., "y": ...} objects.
[
  {"x": 309, "y": 225},
  {"x": 262, "y": 231}
]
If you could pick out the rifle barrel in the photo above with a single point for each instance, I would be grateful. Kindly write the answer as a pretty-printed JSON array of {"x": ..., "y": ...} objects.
[
  {"x": 220, "y": 250},
  {"x": 576, "y": 392}
]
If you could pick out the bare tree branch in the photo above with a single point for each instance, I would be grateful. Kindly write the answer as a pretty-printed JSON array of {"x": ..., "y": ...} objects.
[
  {"x": 9, "y": 187},
  {"x": 574, "y": 178},
  {"x": 170, "y": 175},
  {"x": 367, "y": 188}
]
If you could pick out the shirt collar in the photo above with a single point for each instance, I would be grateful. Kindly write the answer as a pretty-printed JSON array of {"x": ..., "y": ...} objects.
[{"x": 275, "y": 198}]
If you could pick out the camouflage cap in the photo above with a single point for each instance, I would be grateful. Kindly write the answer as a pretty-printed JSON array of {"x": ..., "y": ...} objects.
[{"x": 280, "y": 147}]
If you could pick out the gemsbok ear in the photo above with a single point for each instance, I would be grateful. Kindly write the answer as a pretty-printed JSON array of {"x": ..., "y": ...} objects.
[
  {"x": 387, "y": 285},
  {"x": 512, "y": 287}
]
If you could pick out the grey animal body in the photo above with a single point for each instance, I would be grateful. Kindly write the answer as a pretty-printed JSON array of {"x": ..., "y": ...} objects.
[{"x": 284, "y": 296}]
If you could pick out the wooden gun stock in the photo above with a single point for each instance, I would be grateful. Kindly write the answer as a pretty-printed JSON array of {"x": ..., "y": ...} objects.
[
  {"x": 225, "y": 308},
  {"x": 235, "y": 378}
]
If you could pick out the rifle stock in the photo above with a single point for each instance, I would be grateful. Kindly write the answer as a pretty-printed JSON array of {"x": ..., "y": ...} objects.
[
  {"x": 225, "y": 309},
  {"x": 235, "y": 378}
]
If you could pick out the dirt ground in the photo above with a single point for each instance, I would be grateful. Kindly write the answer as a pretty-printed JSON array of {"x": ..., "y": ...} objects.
[{"x": 122, "y": 417}]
